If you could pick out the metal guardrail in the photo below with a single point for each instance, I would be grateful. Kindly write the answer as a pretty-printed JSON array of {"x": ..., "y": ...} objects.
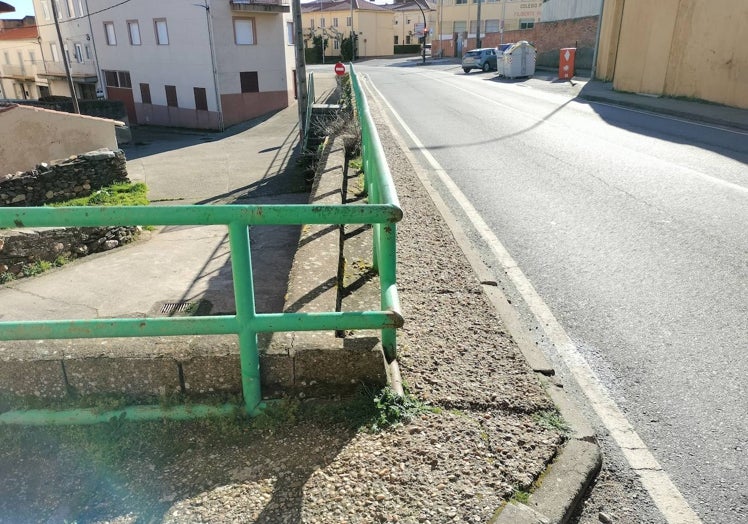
[
  {"x": 382, "y": 211},
  {"x": 310, "y": 97}
]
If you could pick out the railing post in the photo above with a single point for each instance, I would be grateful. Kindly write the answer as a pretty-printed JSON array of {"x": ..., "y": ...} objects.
[
  {"x": 244, "y": 297},
  {"x": 387, "y": 282}
]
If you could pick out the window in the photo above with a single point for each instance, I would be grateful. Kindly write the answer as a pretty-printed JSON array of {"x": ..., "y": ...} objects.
[
  {"x": 162, "y": 35},
  {"x": 145, "y": 93},
  {"x": 45, "y": 10},
  {"x": 88, "y": 52},
  {"x": 117, "y": 79},
  {"x": 458, "y": 2},
  {"x": 407, "y": 40},
  {"x": 111, "y": 37},
  {"x": 348, "y": 21},
  {"x": 67, "y": 53},
  {"x": 290, "y": 33},
  {"x": 249, "y": 81},
  {"x": 473, "y": 26},
  {"x": 335, "y": 22},
  {"x": 460, "y": 27},
  {"x": 79, "y": 53},
  {"x": 7, "y": 57},
  {"x": 311, "y": 23},
  {"x": 171, "y": 96},
  {"x": 32, "y": 57},
  {"x": 526, "y": 23},
  {"x": 71, "y": 9},
  {"x": 322, "y": 23},
  {"x": 244, "y": 31},
  {"x": 55, "y": 52},
  {"x": 336, "y": 44},
  {"x": 396, "y": 40},
  {"x": 201, "y": 99},
  {"x": 133, "y": 31},
  {"x": 492, "y": 26}
]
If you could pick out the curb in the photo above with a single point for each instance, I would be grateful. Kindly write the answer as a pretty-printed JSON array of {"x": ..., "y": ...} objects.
[
  {"x": 641, "y": 103},
  {"x": 579, "y": 460}
]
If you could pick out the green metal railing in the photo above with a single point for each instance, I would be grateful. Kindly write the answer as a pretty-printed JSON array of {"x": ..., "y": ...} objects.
[
  {"x": 310, "y": 99},
  {"x": 382, "y": 211}
]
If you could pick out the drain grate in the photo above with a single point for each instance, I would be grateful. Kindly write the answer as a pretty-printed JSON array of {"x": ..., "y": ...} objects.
[{"x": 170, "y": 308}]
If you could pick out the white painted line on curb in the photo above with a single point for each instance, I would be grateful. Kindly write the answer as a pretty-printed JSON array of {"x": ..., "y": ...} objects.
[{"x": 665, "y": 495}]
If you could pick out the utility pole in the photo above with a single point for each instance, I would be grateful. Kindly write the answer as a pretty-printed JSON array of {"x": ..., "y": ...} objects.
[
  {"x": 478, "y": 41},
  {"x": 353, "y": 41},
  {"x": 65, "y": 59},
  {"x": 209, "y": 20},
  {"x": 301, "y": 87},
  {"x": 503, "y": 16}
]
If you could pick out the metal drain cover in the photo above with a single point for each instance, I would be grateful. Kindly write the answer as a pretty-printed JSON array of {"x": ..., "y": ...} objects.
[{"x": 181, "y": 308}]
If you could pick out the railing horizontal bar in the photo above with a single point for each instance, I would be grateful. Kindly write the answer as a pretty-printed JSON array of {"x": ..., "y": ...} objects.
[
  {"x": 327, "y": 321},
  {"x": 44, "y": 417},
  {"x": 175, "y": 326},
  {"x": 291, "y": 214},
  {"x": 117, "y": 327}
]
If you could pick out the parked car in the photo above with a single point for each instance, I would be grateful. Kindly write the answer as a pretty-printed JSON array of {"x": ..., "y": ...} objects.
[{"x": 484, "y": 59}]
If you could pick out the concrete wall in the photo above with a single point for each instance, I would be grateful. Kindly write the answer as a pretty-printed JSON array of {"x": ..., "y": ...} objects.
[
  {"x": 687, "y": 48},
  {"x": 30, "y": 135}
]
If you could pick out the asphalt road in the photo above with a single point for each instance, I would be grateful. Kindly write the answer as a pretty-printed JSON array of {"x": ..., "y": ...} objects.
[{"x": 633, "y": 228}]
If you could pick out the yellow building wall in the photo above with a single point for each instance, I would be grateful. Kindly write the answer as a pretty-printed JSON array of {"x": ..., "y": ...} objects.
[
  {"x": 690, "y": 48},
  {"x": 374, "y": 30},
  {"x": 512, "y": 12}
]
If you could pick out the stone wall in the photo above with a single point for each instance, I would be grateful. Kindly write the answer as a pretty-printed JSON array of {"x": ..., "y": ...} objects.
[
  {"x": 57, "y": 181},
  {"x": 19, "y": 248},
  {"x": 62, "y": 180}
]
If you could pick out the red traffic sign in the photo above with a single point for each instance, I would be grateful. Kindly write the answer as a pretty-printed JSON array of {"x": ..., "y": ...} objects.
[{"x": 339, "y": 69}]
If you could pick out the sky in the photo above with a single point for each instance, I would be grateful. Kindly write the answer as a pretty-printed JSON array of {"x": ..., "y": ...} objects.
[{"x": 23, "y": 8}]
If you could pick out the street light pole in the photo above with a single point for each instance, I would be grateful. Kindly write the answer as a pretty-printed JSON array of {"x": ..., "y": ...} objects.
[
  {"x": 65, "y": 60},
  {"x": 423, "y": 42}
]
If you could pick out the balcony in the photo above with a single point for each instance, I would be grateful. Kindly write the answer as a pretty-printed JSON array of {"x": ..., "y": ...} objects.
[
  {"x": 80, "y": 72},
  {"x": 18, "y": 72},
  {"x": 260, "y": 6}
]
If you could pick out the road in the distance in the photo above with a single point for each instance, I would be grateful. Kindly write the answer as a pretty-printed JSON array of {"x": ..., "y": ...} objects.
[{"x": 634, "y": 230}]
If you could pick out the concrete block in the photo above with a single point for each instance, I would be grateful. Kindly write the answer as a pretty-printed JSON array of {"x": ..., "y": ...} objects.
[
  {"x": 344, "y": 367},
  {"x": 130, "y": 376},
  {"x": 215, "y": 373},
  {"x": 38, "y": 378}
]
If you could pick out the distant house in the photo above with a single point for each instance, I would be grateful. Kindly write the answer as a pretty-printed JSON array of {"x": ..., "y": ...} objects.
[
  {"x": 195, "y": 64},
  {"x": 20, "y": 64},
  {"x": 77, "y": 47},
  {"x": 371, "y": 24},
  {"x": 408, "y": 21}
]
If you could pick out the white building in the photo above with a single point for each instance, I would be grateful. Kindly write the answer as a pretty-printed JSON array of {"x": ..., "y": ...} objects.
[{"x": 195, "y": 63}]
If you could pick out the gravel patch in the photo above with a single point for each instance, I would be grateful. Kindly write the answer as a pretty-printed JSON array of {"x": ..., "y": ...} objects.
[{"x": 487, "y": 433}]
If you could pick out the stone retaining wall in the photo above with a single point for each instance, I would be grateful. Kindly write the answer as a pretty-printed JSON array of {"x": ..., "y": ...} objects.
[
  {"x": 62, "y": 180},
  {"x": 22, "y": 247}
]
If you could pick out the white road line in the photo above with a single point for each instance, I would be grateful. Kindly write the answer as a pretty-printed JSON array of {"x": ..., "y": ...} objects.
[
  {"x": 665, "y": 495},
  {"x": 585, "y": 108}
]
